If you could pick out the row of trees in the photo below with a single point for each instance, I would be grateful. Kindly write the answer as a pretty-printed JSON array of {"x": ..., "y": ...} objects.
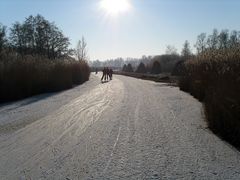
[
  {"x": 38, "y": 36},
  {"x": 224, "y": 39},
  {"x": 155, "y": 68},
  {"x": 217, "y": 40},
  {"x": 35, "y": 36},
  {"x": 35, "y": 58},
  {"x": 118, "y": 63},
  {"x": 146, "y": 63}
]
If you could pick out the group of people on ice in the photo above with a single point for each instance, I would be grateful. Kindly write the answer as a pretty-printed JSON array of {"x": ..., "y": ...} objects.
[{"x": 107, "y": 74}]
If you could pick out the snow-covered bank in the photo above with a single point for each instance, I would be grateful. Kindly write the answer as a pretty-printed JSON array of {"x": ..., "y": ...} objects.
[{"x": 18, "y": 114}]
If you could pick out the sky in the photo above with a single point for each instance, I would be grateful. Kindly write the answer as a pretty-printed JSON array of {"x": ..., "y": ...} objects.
[{"x": 144, "y": 29}]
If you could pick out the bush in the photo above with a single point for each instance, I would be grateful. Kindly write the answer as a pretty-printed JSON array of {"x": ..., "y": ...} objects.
[
  {"x": 27, "y": 76},
  {"x": 214, "y": 78},
  {"x": 167, "y": 62},
  {"x": 141, "y": 68},
  {"x": 179, "y": 70},
  {"x": 124, "y": 69},
  {"x": 156, "y": 68},
  {"x": 127, "y": 68}
]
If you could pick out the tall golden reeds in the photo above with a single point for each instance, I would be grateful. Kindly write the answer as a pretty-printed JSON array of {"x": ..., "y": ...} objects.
[
  {"x": 214, "y": 78},
  {"x": 27, "y": 76}
]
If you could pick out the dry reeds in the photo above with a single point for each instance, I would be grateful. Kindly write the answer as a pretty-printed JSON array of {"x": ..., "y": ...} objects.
[
  {"x": 22, "y": 77},
  {"x": 214, "y": 78}
]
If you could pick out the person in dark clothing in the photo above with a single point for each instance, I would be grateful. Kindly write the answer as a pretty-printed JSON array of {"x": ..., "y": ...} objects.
[
  {"x": 104, "y": 74},
  {"x": 107, "y": 73},
  {"x": 110, "y": 73}
]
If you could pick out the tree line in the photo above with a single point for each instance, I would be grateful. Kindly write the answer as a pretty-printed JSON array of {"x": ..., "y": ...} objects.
[
  {"x": 224, "y": 39},
  {"x": 148, "y": 64},
  {"x": 35, "y": 58},
  {"x": 36, "y": 36},
  {"x": 155, "y": 68},
  {"x": 172, "y": 61}
]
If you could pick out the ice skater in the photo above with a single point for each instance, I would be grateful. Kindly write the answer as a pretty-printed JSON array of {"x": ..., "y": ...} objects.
[
  {"x": 110, "y": 73},
  {"x": 105, "y": 74}
]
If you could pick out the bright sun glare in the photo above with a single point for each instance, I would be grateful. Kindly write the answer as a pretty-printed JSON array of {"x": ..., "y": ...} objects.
[{"x": 115, "y": 7}]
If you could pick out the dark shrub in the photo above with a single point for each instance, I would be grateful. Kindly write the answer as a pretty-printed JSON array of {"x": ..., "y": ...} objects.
[
  {"x": 179, "y": 69},
  {"x": 167, "y": 61},
  {"x": 156, "y": 68},
  {"x": 124, "y": 69},
  {"x": 129, "y": 68},
  {"x": 141, "y": 68}
]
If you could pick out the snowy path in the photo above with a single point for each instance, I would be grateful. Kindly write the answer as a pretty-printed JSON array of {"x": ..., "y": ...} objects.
[{"x": 125, "y": 129}]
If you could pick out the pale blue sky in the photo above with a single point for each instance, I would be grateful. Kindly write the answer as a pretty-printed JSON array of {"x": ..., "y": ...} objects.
[{"x": 147, "y": 28}]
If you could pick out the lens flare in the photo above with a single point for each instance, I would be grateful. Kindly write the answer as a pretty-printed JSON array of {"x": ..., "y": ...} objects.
[{"x": 115, "y": 7}]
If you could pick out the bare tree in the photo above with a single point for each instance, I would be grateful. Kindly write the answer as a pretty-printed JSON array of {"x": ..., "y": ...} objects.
[
  {"x": 3, "y": 38},
  {"x": 186, "y": 51},
  {"x": 233, "y": 41},
  {"x": 201, "y": 43},
  {"x": 81, "y": 50},
  {"x": 37, "y": 36},
  {"x": 213, "y": 40},
  {"x": 223, "y": 39},
  {"x": 171, "y": 50}
]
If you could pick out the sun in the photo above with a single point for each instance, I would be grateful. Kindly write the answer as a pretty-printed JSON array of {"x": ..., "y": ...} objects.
[{"x": 115, "y": 7}]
